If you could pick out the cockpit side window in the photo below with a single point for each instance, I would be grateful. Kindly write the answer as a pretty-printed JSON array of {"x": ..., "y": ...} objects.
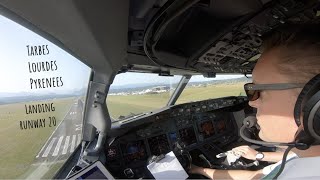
[{"x": 42, "y": 96}]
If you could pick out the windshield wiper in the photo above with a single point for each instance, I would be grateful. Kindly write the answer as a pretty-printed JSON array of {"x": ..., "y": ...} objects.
[{"x": 130, "y": 116}]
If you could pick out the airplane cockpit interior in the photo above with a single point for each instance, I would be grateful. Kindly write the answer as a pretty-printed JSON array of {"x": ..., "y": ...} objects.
[{"x": 122, "y": 118}]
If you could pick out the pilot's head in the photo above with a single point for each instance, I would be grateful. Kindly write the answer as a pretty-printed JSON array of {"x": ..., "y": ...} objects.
[{"x": 290, "y": 55}]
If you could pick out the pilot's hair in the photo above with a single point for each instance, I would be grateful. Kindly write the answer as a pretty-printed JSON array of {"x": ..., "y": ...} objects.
[{"x": 299, "y": 50}]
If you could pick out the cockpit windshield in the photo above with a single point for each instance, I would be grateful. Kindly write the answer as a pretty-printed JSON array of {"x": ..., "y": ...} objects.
[
  {"x": 201, "y": 88},
  {"x": 135, "y": 93}
]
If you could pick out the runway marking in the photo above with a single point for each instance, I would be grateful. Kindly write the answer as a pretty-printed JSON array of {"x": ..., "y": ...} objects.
[
  {"x": 56, "y": 150},
  {"x": 79, "y": 139},
  {"x": 73, "y": 143},
  {"x": 47, "y": 151},
  {"x": 78, "y": 127},
  {"x": 53, "y": 144},
  {"x": 54, "y": 132},
  {"x": 66, "y": 145}
]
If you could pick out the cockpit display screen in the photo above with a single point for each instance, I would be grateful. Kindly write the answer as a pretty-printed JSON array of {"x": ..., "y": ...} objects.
[
  {"x": 134, "y": 151},
  {"x": 159, "y": 145},
  {"x": 188, "y": 136},
  {"x": 221, "y": 126},
  {"x": 207, "y": 129}
]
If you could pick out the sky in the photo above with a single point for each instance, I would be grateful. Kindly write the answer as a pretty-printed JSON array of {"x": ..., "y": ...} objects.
[
  {"x": 127, "y": 79},
  {"x": 14, "y": 65},
  {"x": 14, "y": 62}
]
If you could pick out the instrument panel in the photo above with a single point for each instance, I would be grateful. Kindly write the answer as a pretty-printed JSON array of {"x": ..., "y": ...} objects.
[{"x": 194, "y": 130}]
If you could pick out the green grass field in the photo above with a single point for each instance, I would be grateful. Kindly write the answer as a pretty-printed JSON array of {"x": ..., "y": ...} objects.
[
  {"x": 211, "y": 92},
  {"x": 19, "y": 147},
  {"x": 124, "y": 105}
]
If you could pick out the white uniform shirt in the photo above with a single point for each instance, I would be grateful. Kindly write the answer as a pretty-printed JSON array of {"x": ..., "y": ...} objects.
[
  {"x": 295, "y": 168},
  {"x": 266, "y": 170},
  {"x": 302, "y": 168}
]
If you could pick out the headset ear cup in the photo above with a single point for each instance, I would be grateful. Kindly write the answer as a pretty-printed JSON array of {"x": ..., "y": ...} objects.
[
  {"x": 303, "y": 97},
  {"x": 305, "y": 103},
  {"x": 311, "y": 118},
  {"x": 316, "y": 123}
]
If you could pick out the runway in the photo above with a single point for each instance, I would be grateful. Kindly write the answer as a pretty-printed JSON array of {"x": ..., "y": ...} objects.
[{"x": 67, "y": 136}]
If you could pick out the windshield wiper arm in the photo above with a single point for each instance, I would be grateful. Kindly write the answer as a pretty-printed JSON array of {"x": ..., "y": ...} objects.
[{"x": 132, "y": 116}]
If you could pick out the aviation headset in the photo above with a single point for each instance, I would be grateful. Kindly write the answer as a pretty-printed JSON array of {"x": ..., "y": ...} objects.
[
  {"x": 308, "y": 103},
  {"x": 308, "y": 132}
]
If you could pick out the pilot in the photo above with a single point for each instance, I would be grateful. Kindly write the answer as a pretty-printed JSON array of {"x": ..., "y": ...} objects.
[{"x": 291, "y": 54}]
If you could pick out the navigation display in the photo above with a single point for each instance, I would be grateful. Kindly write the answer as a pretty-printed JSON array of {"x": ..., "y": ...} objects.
[
  {"x": 221, "y": 126},
  {"x": 207, "y": 129},
  {"x": 188, "y": 136},
  {"x": 159, "y": 145}
]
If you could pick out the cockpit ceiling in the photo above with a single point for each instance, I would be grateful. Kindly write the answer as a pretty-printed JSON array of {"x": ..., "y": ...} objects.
[{"x": 215, "y": 36}]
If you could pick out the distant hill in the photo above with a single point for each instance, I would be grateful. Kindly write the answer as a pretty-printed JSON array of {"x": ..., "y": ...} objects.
[
  {"x": 140, "y": 87},
  {"x": 8, "y": 98}
]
